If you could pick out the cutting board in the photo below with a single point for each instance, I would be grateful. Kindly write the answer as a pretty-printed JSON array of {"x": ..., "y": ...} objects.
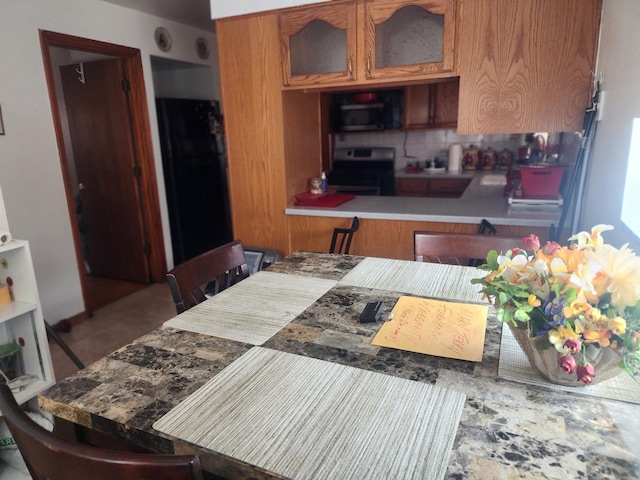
[{"x": 330, "y": 201}]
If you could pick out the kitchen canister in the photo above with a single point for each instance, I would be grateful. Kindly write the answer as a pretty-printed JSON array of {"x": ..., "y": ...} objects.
[{"x": 455, "y": 157}]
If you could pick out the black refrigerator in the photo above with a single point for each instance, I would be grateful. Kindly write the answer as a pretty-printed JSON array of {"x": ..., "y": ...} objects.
[{"x": 194, "y": 175}]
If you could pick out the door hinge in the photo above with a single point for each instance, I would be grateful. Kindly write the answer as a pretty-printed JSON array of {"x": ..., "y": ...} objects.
[
  {"x": 137, "y": 171},
  {"x": 125, "y": 85},
  {"x": 146, "y": 249}
]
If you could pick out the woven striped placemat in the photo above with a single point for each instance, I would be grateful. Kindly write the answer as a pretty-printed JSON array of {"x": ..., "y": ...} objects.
[
  {"x": 513, "y": 365},
  {"x": 305, "y": 418},
  {"x": 255, "y": 309},
  {"x": 446, "y": 282}
]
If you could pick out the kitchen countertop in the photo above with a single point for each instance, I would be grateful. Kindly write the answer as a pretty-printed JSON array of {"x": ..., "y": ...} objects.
[
  {"x": 430, "y": 174},
  {"x": 483, "y": 199}
]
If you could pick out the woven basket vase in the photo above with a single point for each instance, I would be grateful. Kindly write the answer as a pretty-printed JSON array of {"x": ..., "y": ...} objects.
[{"x": 543, "y": 357}]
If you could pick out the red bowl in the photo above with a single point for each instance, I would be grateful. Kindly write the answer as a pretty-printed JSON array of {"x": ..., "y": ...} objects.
[{"x": 365, "y": 97}]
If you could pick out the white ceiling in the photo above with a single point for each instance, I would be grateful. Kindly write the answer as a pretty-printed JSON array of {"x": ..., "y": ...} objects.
[{"x": 196, "y": 13}]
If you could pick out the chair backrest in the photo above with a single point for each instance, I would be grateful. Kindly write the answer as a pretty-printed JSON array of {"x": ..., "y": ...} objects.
[
  {"x": 459, "y": 248},
  {"x": 210, "y": 273},
  {"x": 487, "y": 228},
  {"x": 341, "y": 239},
  {"x": 49, "y": 457}
]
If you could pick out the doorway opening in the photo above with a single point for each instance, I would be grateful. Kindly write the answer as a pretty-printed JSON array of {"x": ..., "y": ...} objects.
[{"x": 101, "y": 122}]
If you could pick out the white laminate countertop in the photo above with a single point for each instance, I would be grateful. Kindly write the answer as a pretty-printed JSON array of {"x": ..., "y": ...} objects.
[
  {"x": 483, "y": 199},
  {"x": 428, "y": 174}
]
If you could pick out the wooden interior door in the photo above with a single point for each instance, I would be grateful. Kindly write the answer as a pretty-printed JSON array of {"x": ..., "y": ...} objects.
[{"x": 108, "y": 197}]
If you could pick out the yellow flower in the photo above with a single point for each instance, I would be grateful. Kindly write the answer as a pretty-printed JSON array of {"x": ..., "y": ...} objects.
[
  {"x": 592, "y": 315},
  {"x": 512, "y": 269},
  {"x": 582, "y": 278},
  {"x": 617, "y": 325},
  {"x": 575, "y": 308},
  {"x": 533, "y": 300},
  {"x": 557, "y": 336},
  {"x": 587, "y": 240},
  {"x": 619, "y": 274}
]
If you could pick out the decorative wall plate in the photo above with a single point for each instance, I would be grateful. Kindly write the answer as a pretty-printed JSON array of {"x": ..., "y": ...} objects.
[
  {"x": 202, "y": 48},
  {"x": 163, "y": 39}
]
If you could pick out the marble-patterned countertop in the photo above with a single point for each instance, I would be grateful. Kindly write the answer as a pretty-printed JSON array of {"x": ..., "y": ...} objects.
[
  {"x": 507, "y": 430},
  {"x": 479, "y": 201}
]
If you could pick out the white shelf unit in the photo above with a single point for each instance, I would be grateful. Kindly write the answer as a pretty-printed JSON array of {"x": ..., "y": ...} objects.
[{"x": 22, "y": 321}]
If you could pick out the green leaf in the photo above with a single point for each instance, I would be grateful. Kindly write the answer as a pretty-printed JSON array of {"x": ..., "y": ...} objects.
[
  {"x": 503, "y": 298},
  {"x": 521, "y": 315},
  {"x": 492, "y": 260}
]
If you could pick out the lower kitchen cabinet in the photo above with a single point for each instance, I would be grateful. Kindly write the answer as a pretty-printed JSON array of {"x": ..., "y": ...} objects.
[
  {"x": 412, "y": 187},
  {"x": 383, "y": 238},
  {"x": 431, "y": 187}
]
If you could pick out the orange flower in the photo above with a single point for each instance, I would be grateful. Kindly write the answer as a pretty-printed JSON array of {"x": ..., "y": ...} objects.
[{"x": 597, "y": 336}]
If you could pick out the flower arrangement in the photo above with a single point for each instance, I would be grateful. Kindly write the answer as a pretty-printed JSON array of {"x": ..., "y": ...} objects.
[{"x": 582, "y": 296}]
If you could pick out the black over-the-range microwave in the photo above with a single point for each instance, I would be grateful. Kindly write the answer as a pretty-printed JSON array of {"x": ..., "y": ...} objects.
[
  {"x": 362, "y": 117},
  {"x": 385, "y": 113}
]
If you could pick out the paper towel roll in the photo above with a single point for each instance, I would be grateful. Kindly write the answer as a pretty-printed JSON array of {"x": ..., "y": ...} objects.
[
  {"x": 5, "y": 237},
  {"x": 455, "y": 157}
]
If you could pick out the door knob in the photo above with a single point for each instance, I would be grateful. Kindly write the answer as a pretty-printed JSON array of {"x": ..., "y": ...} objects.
[{"x": 81, "y": 186}]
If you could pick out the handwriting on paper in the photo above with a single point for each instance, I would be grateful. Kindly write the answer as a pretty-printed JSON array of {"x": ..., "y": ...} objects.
[{"x": 434, "y": 327}]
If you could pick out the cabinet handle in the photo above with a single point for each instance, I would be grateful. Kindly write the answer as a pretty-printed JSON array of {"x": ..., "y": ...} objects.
[
  {"x": 81, "y": 186},
  {"x": 350, "y": 66},
  {"x": 369, "y": 65}
]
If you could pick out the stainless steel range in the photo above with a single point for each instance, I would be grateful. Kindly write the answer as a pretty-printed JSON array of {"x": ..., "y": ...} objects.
[{"x": 363, "y": 170}]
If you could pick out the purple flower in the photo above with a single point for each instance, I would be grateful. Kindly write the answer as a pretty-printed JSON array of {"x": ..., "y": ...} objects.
[
  {"x": 586, "y": 373},
  {"x": 552, "y": 308},
  {"x": 573, "y": 345},
  {"x": 567, "y": 363}
]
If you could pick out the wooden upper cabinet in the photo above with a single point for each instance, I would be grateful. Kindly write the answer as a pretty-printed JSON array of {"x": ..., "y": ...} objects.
[
  {"x": 526, "y": 65},
  {"x": 431, "y": 105},
  {"x": 319, "y": 44},
  {"x": 409, "y": 39},
  {"x": 358, "y": 42}
]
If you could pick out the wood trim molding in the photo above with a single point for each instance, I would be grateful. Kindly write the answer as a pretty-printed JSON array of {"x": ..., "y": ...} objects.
[{"x": 143, "y": 146}]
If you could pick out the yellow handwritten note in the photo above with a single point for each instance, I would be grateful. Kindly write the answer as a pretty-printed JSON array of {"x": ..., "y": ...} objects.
[{"x": 443, "y": 329}]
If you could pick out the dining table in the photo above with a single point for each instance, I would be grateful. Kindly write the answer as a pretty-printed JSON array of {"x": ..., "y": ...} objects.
[{"x": 277, "y": 377}]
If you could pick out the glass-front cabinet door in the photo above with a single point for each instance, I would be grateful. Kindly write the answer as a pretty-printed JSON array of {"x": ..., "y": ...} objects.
[
  {"x": 409, "y": 38},
  {"x": 319, "y": 44}
]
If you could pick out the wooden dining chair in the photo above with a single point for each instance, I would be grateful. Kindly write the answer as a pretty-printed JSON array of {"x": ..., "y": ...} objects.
[
  {"x": 49, "y": 457},
  {"x": 207, "y": 275},
  {"x": 341, "y": 239},
  {"x": 459, "y": 248},
  {"x": 487, "y": 228}
]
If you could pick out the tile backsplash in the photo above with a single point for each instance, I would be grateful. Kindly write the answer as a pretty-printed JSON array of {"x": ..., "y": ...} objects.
[{"x": 418, "y": 146}]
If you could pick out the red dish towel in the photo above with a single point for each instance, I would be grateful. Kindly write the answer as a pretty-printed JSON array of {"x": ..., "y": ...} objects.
[{"x": 330, "y": 201}]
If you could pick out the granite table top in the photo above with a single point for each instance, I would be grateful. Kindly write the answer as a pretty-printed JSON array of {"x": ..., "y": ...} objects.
[{"x": 507, "y": 430}]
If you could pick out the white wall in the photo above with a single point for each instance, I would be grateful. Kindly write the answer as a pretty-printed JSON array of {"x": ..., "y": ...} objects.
[
  {"x": 4, "y": 223},
  {"x": 30, "y": 171},
  {"x": 619, "y": 62},
  {"x": 222, "y": 8}
]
